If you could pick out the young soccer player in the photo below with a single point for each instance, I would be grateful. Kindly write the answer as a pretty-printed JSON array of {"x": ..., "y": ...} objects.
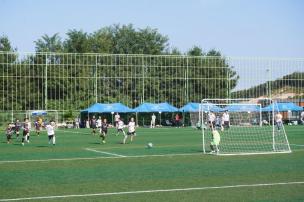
[
  {"x": 279, "y": 121},
  {"x": 17, "y": 128},
  {"x": 93, "y": 125},
  {"x": 131, "y": 131},
  {"x": 211, "y": 120},
  {"x": 38, "y": 124},
  {"x": 214, "y": 145},
  {"x": 116, "y": 117},
  {"x": 226, "y": 120},
  {"x": 104, "y": 130},
  {"x": 120, "y": 126},
  {"x": 9, "y": 131},
  {"x": 177, "y": 121},
  {"x": 218, "y": 122},
  {"x": 153, "y": 118},
  {"x": 26, "y": 131},
  {"x": 99, "y": 122},
  {"x": 77, "y": 121},
  {"x": 50, "y": 128},
  {"x": 302, "y": 117}
]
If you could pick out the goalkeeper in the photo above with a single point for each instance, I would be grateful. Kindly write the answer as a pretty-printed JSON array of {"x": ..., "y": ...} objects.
[{"x": 214, "y": 145}]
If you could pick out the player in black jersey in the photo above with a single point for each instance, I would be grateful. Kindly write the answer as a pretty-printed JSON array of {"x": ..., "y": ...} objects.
[
  {"x": 104, "y": 130},
  {"x": 9, "y": 131},
  {"x": 93, "y": 125},
  {"x": 17, "y": 128}
]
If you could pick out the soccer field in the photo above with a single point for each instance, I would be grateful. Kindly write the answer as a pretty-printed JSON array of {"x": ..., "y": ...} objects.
[{"x": 79, "y": 168}]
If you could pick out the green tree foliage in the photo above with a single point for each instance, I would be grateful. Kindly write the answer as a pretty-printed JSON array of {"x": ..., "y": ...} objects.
[
  {"x": 49, "y": 43},
  {"x": 66, "y": 81},
  {"x": 5, "y": 44}
]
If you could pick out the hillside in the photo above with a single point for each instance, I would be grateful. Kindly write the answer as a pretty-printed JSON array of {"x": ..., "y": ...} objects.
[{"x": 289, "y": 86}]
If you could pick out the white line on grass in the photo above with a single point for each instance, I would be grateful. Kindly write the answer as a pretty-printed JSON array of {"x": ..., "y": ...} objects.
[
  {"x": 152, "y": 191},
  {"x": 102, "y": 157},
  {"x": 102, "y": 152},
  {"x": 298, "y": 145}
]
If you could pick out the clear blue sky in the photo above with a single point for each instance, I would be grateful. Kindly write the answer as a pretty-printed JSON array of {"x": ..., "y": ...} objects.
[{"x": 273, "y": 28}]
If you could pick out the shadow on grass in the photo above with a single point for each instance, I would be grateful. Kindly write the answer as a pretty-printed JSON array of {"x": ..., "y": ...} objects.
[{"x": 94, "y": 143}]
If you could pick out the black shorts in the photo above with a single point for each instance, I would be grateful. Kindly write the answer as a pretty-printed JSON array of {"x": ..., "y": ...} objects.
[
  {"x": 131, "y": 133},
  {"x": 8, "y": 136},
  {"x": 51, "y": 137},
  {"x": 93, "y": 126},
  {"x": 226, "y": 123},
  {"x": 25, "y": 132},
  {"x": 104, "y": 131},
  {"x": 212, "y": 123}
]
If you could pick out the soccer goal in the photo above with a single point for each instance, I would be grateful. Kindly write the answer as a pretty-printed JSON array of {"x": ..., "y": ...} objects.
[
  {"x": 244, "y": 127},
  {"x": 45, "y": 115}
]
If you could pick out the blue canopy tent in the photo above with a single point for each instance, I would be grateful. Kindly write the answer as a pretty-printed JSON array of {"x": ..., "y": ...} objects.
[
  {"x": 242, "y": 108},
  {"x": 166, "y": 107},
  {"x": 95, "y": 108},
  {"x": 195, "y": 107},
  {"x": 282, "y": 107},
  {"x": 107, "y": 108},
  {"x": 211, "y": 107},
  {"x": 190, "y": 107},
  {"x": 152, "y": 107},
  {"x": 145, "y": 107}
]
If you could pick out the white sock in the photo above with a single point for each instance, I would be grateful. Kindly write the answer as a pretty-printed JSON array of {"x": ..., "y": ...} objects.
[
  {"x": 125, "y": 138},
  {"x": 54, "y": 140}
]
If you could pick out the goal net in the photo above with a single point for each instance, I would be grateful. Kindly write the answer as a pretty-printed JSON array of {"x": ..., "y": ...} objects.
[
  {"x": 43, "y": 115},
  {"x": 242, "y": 126}
]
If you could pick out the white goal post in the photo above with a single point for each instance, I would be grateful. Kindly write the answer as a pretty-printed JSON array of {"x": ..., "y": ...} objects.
[
  {"x": 46, "y": 115},
  {"x": 242, "y": 126}
]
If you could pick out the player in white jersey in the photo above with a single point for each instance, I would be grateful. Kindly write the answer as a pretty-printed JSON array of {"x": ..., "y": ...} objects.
[
  {"x": 131, "y": 130},
  {"x": 26, "y": 131},
  {"x": 302, "y": 117},
  {"x": 211, "y": 120},
  {"x": 116, "y": 117},
  {"x": 120, "y": 127},
  {"x": 153, "y": 118},
  {"x": 99, "y": 122},
  {"x": 225, "y": 120},
  {"x": 50, "y": 128},
  {"x": 279, "y": 121}
]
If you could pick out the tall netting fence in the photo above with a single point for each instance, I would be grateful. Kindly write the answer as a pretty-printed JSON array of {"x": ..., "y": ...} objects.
[{"x": 71, "y": 82}]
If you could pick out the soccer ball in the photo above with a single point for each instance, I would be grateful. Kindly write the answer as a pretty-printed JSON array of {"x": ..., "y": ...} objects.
[{"x": 149, "y": 145}]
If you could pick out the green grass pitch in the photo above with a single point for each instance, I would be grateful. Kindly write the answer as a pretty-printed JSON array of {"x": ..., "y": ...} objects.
[{"x": 79, "y": 168}]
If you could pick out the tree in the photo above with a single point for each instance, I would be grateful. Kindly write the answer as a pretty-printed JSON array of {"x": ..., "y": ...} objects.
[
  {"x": 77, "y": 42},
  {"x": 195, "y": 51},
  {"x": 49, "y": 43},
  {"x": 102, "y": 41},
  {"x": 5, "y": 44},
  {"x": 74, "y": 81}
]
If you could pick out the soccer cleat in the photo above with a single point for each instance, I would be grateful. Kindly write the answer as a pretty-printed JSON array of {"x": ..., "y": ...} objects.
[
  {"x": 103, "y": 141},
  {"x": 22, "y": 143}
]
